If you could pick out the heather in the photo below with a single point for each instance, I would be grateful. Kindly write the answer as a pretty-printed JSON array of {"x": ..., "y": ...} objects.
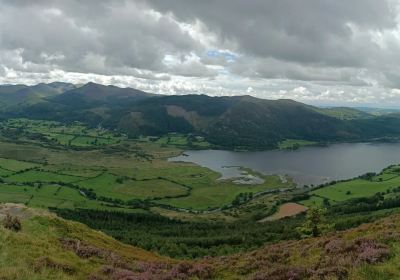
[{"x": 48, "y": 247}]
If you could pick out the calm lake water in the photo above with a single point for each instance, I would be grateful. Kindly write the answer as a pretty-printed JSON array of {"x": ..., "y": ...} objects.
[{"x": 308, "y": 165}]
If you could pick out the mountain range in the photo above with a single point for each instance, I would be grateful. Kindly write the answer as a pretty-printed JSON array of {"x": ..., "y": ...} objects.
[{"x": 228, "y": 122}]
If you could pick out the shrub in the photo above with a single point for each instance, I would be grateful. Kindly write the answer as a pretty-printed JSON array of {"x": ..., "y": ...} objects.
[
  {"x": 12, "y": 223},
  {"x": 83, "y": 250},
  {"x": 47, "y": 262}
]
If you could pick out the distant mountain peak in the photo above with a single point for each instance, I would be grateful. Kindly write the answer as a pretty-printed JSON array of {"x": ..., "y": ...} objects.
[{"x": 98, "y": 93}]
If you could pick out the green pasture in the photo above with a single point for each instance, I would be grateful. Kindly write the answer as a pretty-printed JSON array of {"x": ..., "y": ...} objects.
[
  {"x": 40, "y": 176},
  {"x": 356, "y": 188},
  {"x": 16, "y": 165},
  {"x": 107, "y": 185},
  {"x": 73, "y": 134},
  {"x": 34, "y": 167},
  {"x": 207, "y": 192}
]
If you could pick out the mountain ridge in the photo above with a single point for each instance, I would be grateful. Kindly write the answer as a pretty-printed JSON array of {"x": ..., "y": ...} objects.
[{"x": 243, "y": 122}]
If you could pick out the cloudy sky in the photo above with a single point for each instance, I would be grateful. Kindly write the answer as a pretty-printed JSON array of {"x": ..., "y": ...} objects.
[{"x": 316, "y": 51}]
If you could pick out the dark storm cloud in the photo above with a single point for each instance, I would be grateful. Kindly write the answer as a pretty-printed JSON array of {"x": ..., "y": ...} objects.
[
  {"x": 308, "y": 49},
  {"x": 308, "y": 31},
  {"x": 92, "y": 36},
  {"x": 313, "y": 40}
]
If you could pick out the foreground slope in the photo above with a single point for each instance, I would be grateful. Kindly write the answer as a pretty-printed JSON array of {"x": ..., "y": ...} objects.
[
  {"x": 49, "y": 247},
  {"x": 370, "y": 251}
]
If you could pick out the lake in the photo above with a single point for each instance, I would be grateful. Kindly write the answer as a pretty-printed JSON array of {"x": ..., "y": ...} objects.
[{"x": 307, "y": 165}]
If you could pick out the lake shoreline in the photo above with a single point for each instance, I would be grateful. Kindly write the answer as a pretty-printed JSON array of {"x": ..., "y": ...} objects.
[{"x": 308, "y": 165}]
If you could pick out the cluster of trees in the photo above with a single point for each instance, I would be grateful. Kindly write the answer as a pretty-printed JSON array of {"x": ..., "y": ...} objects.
[
  {"x": 315, "y": 223},
  {"x": 367, "y": 204},
  {"x": 242, "y": 198},
  {"x": 180, "y": 239},
  {"x": 368, "y": 176},
  {"x": 184, "y": 239}
]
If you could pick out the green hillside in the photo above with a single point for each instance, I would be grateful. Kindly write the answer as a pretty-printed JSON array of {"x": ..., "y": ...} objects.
[
  {"x": 344, "y": 113},
  {"x": 15, "y": 97},
  {"x": 51, "y": 248},
  {"x": 240, "y": 122},
  {"x": 48, "y": 247}
]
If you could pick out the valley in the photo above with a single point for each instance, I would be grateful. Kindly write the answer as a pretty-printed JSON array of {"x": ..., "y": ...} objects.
[
  {"x": 199, "y": 140},
  {"x": 130, "y": 181},
  {"x": 176, "y": 192},
  {"x": 107, "y": 170}
]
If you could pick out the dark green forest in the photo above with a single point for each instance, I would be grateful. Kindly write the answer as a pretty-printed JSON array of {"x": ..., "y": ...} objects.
[{"x": 180, "y": 239}]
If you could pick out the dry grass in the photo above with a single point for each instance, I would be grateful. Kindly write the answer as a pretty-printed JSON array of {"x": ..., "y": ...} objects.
[{"x": 286, "y": 210}]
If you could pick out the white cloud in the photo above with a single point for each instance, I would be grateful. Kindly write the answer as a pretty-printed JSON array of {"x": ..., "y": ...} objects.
[{"x": 324, "y": 52}]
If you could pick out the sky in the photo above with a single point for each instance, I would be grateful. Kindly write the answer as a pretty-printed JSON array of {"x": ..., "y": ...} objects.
[{"x": 320, "y": 52}]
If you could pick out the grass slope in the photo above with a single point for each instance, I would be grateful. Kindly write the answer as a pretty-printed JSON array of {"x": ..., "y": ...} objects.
[
  {"x": 39, "y": 250},
  {"x": 49, "y": 247},
  {"x": 344, "y": 113}
]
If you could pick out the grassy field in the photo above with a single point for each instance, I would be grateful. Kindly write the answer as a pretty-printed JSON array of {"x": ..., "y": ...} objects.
[
  {"x": 111, "y": 171},
  {"x": 179, "y": 140},
  {"x": 109, "y": 185},
  {"x": 356, "y": 188},
  {"x": 15, "y": 165},
  {"x": 134, "y": 175},
  {"x": 69, "y": 135},
  {"x": 39, "y": 176},
  {"x": 207, "y": 192}
]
